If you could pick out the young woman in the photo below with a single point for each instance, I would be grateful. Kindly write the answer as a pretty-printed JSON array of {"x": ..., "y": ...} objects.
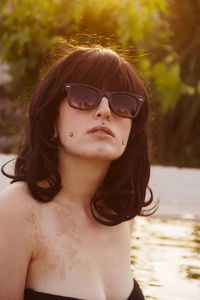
[{"x": 81, "y": 178}]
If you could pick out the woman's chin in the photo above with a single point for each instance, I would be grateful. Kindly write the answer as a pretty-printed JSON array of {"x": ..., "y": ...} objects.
[
  {"x": 102, "y": 154},
  {"x": 98, "y": 152}
]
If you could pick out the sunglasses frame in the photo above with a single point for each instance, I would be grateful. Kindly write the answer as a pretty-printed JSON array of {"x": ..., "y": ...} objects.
[{"x": 101, "y": 93}]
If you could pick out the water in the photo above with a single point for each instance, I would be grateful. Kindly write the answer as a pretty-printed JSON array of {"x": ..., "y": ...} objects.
[{"x": 165, "y": 257}]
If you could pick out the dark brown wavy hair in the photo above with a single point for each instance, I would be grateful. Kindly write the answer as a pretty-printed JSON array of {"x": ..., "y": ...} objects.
[{"x": 121, "y": 195}]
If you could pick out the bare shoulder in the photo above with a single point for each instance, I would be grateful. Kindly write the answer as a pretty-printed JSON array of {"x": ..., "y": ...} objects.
[
  {"x": 16, "y": 206},
  {"x": 16, "y": 202},
  {"x": 15, "y": 239},
  {"x": 13, "y": 194},
  {"x": 17, "y": 211}
]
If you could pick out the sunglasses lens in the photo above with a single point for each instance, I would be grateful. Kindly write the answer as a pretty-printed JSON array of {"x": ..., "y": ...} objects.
[
  {"x": 124, "y": 105},
  {"x": 83, "y": 97}
]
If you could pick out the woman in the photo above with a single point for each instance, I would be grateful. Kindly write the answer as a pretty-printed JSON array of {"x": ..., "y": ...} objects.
[{"x": 81, "y": 178}]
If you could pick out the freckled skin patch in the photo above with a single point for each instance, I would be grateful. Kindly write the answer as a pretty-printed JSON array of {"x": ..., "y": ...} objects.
[
  {"x": 68, "y": 229},
  {"x": 63, "y": 274},
  {"x": 56, "y": 239},
  {"x": 68, "y": 250},
  {"x": 65, "y": 224},
  {"x": 31, "y": 217}
]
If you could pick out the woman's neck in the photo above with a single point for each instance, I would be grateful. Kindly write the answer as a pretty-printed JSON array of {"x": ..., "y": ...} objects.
[{"x": 80, "y": 177}]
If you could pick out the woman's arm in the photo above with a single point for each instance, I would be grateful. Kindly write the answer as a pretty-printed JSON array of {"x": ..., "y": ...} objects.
[{"x": 15, "y": 249}]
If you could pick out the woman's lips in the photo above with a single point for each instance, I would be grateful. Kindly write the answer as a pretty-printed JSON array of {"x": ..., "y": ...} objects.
[{"x": 101, "y": 131}]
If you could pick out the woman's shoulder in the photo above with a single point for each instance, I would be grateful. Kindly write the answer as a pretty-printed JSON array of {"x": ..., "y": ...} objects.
[
  {"x": 16, "y": 203},
  {"x": 15, "y": 238},
  {"x": 17, "y": 217}
]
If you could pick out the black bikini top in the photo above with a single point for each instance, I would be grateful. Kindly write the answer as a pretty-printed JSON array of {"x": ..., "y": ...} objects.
[{"x": 30, "y": 294}]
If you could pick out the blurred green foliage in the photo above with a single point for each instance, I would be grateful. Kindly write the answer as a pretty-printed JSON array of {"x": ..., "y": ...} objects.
[
  {"x": 154, "y": 35},
  {"x": 181, "y": 125}
]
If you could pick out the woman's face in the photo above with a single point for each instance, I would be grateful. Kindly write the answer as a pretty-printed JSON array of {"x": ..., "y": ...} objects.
[{"x": 98, "y": 133}]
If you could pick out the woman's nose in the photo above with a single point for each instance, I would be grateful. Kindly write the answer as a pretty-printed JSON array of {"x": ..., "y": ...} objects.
[{"x": 103, "y": 109}]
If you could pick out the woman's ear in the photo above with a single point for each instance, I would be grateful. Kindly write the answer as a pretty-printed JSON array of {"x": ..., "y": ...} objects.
[{"x": 55, "y": 133}]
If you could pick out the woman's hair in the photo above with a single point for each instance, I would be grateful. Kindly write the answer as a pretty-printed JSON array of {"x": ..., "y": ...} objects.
[{"x": 121, "y": 195}]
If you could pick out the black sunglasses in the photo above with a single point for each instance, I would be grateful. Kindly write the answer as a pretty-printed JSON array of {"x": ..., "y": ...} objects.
[{"x": 86, "y": 97}]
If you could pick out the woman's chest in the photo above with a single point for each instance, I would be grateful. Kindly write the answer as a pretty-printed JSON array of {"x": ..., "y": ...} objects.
[{"x": 76, "y": 259}]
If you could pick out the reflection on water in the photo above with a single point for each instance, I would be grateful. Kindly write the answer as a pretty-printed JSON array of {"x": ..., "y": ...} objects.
[{"x": 165, "y": 257}]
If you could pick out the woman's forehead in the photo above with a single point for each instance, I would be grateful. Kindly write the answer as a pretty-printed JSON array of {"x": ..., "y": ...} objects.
[{"x": 108, "y": 83}]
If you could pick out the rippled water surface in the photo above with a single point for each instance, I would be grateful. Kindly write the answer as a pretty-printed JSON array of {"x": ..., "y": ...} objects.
[{"x": 166, "y": 258}]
